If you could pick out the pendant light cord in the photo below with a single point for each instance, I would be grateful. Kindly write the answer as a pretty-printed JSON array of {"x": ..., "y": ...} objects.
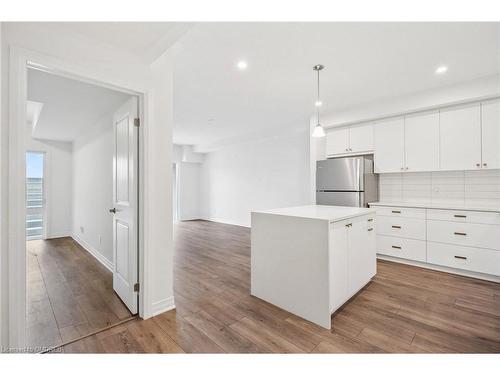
[{"x": 317, "y": 102}]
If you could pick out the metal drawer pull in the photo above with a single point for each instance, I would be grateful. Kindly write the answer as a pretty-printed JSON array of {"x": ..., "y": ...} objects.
[
  {"x": 397, "y": 226},
  {"x": 370, "y": 229},
  {"x": 396, "y": 247},
  {"x": 460, "y": 234},
  {"x": 370, "y": 219},
  {"x": 461, "y": 216},
  {"x": 348, "y": 225},
  {"x": 460, "y": 257},
  {"x": 396, "y": 212}
]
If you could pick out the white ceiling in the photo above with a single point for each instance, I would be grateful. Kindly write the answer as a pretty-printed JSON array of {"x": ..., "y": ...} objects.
[
  {"x": 213, "y": 101},
  {"x": 145, "y": 40},
  {"x": 69, "y": 107}
]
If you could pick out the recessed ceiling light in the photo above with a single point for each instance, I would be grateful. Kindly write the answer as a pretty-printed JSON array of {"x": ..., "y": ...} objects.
[
  {"x": 441, "y": 69},
  {"x": 242, "y": 65}
]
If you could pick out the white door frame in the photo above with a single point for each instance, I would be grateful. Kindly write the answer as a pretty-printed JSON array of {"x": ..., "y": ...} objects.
[{"x": 20, "y": 60}]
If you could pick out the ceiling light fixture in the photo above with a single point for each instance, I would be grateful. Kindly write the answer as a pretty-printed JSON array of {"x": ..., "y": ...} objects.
[
  {"x": 242, "y": 65},
  {"x": 318, "y": 131},
  {"x": 441, "y": 69}
]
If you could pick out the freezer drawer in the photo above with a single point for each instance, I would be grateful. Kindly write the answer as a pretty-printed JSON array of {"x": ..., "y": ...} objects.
[{"x": 341, "y": 198}]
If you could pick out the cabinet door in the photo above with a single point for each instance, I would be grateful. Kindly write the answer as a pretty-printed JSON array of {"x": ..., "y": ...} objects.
[
  {"x": 337, "y": 141},
  {"x": 362, "y": 253},
  {"x": 339, "y": 279},
  {"x": 422, "y": 142},
  {"x": 490, "y": 130},
  {"x": 361, "y": 138},
  {"x": 389, "y": 145},
  {"x": 460, "y": 138}
]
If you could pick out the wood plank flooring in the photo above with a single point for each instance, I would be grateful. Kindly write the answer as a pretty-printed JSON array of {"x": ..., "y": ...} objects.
[
  {"x": 403, "y": 310},
  {"x": 70, "y": 293}
]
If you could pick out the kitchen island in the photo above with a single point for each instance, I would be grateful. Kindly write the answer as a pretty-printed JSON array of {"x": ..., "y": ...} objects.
[{"x": 310, "y": 260}]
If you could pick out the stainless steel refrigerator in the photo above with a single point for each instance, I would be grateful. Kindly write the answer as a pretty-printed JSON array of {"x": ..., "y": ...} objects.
[{"x": 347, "y": 181}]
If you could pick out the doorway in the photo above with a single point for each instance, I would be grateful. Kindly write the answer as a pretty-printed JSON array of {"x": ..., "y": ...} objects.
[{"x": 82, "y": 201}]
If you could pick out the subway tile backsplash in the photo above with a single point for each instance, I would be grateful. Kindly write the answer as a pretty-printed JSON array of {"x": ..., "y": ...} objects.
[{"x": 469, "y": 188}]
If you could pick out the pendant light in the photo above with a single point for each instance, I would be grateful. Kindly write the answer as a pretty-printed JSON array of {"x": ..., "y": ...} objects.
[{"x": 318, "y": 131}]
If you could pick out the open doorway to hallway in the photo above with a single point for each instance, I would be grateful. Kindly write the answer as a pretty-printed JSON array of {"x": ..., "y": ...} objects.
[{"x": 81, "y": 208}]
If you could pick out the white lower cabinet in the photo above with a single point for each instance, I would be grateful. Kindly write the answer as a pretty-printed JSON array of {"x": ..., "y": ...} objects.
[
  {"x": 463, "y": 257},
  {"x": 460, "y": 240},
  {"x": 353, "y": 258},
  {"x": 404, "y": 248}
]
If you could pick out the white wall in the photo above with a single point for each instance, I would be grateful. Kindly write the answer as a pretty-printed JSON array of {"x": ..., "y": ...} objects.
[
  {"x": 58, "y": 184},
  {"x": 189, "y": 190},
  {"x": 93, "y": 189},
  {"x": 257, "y": 175},
  {"x": 100, "y": 62}
]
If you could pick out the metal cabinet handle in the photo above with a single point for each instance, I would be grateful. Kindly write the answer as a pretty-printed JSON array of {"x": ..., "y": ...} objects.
[
  {"x": 370, "y": 229},
  {"x": 348, "y": 225},
  {"x": 112, "y": 210},
  {"x": 478, "y": 164},
  {"x": 370, "y": 219},
  {"x": 460, "y": 234},
  {"x": 396, "y": 247},
  {"x": 396, "y": 226},
  {"x": 460, "y": 216},
  {"x": 396, "y": 212},
  {"x": 460, "y": 257},
  {"x": 485, "y": 165}
]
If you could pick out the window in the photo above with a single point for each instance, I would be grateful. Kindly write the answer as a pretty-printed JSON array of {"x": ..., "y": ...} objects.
[{"x": 35, "y": 195}]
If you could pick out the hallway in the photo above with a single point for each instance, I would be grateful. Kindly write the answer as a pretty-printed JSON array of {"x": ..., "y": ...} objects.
[{"x": 70, "y": 293}]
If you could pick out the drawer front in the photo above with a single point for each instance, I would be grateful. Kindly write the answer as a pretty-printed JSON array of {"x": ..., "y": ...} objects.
[
  {"x": 401, "y": 227},
  {"x": 402, "y": 248},
  {"x": 464, "y": 234},
  {"x": 417, "y": 213},
  {"x": 466, "y": 258},
  {"x": 464, "y": 216}
]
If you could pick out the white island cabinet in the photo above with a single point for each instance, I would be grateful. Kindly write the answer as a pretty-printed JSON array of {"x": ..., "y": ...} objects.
[{"x": 310, "y": 260}]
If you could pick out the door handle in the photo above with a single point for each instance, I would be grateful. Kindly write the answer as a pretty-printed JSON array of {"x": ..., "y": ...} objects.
[{"x": 112, "y": 210}]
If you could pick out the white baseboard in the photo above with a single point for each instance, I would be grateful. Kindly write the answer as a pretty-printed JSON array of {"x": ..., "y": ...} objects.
[
  {"x": 162, "y": 306},
  {"x": 103, "y": 260},
  {"x": 226, "y": 221},
  {"x": 51, "y": 236}
]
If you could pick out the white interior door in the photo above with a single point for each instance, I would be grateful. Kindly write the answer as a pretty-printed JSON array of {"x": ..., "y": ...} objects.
[{"x": 125, "y": 182}]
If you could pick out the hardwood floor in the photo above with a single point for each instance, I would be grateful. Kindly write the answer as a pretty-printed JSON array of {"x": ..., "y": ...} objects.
[
  {"x": 403, "y": 310},
  {"x": 70, "y": 294}
]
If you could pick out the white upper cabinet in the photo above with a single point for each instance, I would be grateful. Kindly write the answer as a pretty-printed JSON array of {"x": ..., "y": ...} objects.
[
  {"x": 361, "y": 138},
  {"x": 422, "y": 142},
  {"x": 490, "y": 123},
  {"x": 337, "y": 141},
  {"x": 389, "y": 145},
  {"x": 460, "y": 138},
  {"x": 355, "y": 139}
]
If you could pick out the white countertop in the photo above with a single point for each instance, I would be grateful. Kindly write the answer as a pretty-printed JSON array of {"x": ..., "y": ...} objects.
[
  {"x": 441, "y": 206},
  {"x": 330, "y": 213}
]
